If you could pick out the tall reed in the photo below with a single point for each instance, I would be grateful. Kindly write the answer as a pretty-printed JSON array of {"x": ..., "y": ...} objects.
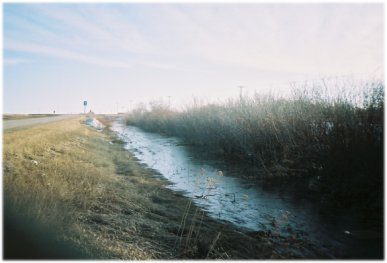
[{"x": 328, "y": 132}]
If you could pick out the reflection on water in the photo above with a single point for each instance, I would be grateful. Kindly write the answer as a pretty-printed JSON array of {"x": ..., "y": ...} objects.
[{"x": 213, "y": 187}]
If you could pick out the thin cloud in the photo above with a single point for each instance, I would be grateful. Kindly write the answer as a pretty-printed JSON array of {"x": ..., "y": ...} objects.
[
  {"x": 15, "y": 61},
  {"x": 101, "y": 28},
  {"x": 298, "y": 38},
  {"x": 64, "y": 54}
]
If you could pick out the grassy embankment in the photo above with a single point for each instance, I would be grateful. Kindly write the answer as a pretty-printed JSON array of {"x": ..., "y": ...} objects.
[
  {"x": 26, "y": 116},
  {"x": 330, "y": 144},
  {"x": 72, "y": 192}
]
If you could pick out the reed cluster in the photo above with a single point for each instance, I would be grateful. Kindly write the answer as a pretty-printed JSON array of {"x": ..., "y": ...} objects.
[{"x": 328, "y": 132}]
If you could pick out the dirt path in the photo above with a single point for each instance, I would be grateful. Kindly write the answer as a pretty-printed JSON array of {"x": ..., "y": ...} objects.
[{"x": 13, "y": 124}]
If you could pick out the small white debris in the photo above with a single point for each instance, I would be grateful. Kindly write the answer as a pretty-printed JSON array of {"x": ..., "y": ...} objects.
[
  {"x": 347, "y": 232},
  {"x": 93, "y": 122},
  {"x": 34, "y": 162}
]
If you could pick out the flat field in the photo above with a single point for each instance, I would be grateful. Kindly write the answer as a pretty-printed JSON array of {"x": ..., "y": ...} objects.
[{"x": 25, "y": 116}]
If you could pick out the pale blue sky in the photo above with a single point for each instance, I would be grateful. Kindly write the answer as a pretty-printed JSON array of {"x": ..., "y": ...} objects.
[{"x": 57, "y": 55}]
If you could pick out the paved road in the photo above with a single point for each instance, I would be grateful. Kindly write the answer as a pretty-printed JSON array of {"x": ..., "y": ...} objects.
[{"x": 11, "y": 124}]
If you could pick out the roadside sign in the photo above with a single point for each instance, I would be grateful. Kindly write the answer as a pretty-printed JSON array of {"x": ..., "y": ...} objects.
[{"x": 84, "y": 106}]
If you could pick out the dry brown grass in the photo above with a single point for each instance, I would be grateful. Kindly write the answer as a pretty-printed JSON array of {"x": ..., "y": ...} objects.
[
  {"x": 100, "y": 199},
  {"x": 65, "y": 171}
]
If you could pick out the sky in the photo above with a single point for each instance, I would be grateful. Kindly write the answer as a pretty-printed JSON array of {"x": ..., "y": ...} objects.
[{"x": 115, "y": 56}]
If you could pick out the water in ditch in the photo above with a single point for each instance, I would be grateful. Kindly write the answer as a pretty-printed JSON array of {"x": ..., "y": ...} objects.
[{"x": 219, "y": 190}]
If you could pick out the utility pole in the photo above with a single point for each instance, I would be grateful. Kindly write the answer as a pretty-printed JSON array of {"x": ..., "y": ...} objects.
[{"x": 240, "y": 92}]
